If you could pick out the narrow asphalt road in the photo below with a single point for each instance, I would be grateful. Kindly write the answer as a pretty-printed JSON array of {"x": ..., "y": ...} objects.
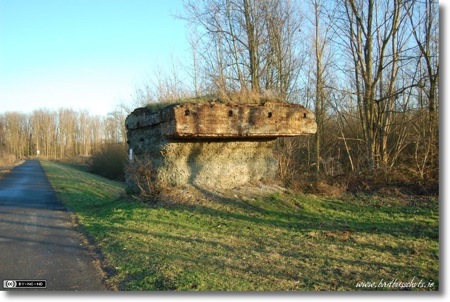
[{"x": 37, "y": 238}]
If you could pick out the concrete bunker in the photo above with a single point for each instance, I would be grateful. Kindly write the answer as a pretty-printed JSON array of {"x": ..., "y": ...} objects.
[{"x": 213, "y": 144}]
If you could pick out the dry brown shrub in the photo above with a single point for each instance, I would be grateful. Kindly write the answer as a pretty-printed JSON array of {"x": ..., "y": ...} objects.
[
  {"x": 317, "y": 185},
  {"x": 246, "y": 96},
  {"x": 391, "y": 182},
  {"x": 109, "y": 161},
  {"x": 140, "y": 178},
  {"x": 7, "y": 159},
  {"x": 324, "y": 188}
]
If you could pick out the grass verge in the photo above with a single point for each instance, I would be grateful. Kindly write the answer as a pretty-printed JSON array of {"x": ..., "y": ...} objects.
[
  {"x": 241, "y": 243},
  {"x": 5, "y": 169}
]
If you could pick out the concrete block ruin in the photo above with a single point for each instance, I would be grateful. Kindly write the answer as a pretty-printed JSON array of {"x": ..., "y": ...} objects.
[{"x": 212, "y": 144}]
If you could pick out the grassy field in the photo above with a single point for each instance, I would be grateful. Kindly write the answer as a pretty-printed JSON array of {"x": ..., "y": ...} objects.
[{"x": 240, "y": 243}]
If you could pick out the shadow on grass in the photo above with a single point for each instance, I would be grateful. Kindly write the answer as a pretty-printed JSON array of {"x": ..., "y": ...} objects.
[
  {"x": 301, "y": 219},
  {"x": 186, "y": 250}
]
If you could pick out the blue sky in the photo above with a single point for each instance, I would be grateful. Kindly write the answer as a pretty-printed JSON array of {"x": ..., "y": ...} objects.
[{"x": 84, "y": 54}]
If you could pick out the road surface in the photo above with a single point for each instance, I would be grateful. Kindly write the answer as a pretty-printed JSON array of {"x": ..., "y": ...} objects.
[{"x": 37, "y": 238}]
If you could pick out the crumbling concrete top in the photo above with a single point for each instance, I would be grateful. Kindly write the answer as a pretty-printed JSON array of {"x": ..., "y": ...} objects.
[{"x": 213, "y": 120}]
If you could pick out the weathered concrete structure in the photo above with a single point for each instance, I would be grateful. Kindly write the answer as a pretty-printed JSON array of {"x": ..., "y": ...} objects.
[{"x": 214, "y": 144}]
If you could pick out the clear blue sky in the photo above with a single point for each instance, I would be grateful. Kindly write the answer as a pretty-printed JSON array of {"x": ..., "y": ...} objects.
[{"x": 83, "y": 54}]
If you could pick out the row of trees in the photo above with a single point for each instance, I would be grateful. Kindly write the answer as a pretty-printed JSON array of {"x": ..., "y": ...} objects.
[
  {"x": 64, "y": 133},
  {"x": 369, "y": 69},
  {"x": 246, "y": 45}
]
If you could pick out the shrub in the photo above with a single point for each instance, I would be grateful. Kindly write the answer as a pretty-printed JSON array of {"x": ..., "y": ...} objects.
[
  {"x": 140, "y": 178},
  {"x": 7, "y": 159},
  {"x": 110, "y": 161}
]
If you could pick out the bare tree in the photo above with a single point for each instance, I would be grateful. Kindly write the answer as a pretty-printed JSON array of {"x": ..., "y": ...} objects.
[
  {"x": 16, "y": 133},
  {"x": 115, "y": 131},
  {"x": 67, "y": 120},
  {"x": 320, "y": 43},
  {"x": 372, "y": 31},
  {"x": 250, "y": 45},
  {"x": 423, "y": 18},
  {"x": 282, "y": 47}
]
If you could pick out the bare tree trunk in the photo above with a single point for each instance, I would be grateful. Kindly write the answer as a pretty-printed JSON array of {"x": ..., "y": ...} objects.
[
  {"x": 319, "y": 85},
  {"x": 371, "y": 63},
  {"x": 249, "y": 15}
]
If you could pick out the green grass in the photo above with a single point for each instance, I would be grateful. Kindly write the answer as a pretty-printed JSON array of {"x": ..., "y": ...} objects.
[{"x": 278, "y": 242}]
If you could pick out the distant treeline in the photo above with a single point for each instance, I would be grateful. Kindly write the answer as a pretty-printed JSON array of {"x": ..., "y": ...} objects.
[{"x": 64, "y": 133}]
